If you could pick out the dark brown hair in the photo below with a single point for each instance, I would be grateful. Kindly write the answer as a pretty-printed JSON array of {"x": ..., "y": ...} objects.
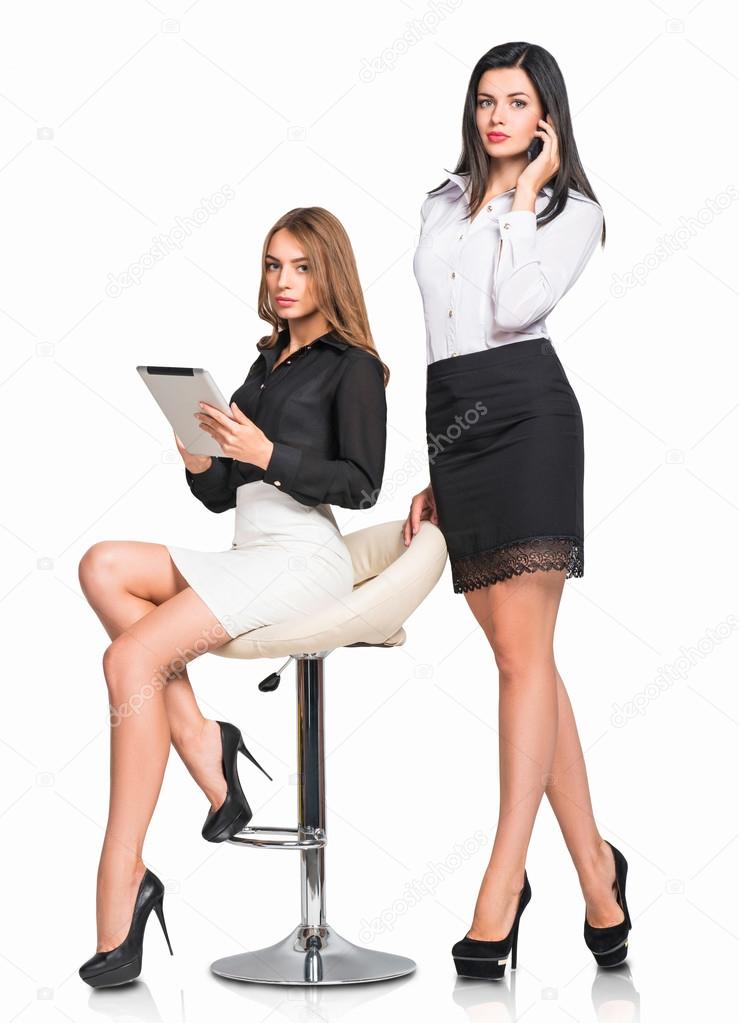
[{"x": 547, "y": 79}]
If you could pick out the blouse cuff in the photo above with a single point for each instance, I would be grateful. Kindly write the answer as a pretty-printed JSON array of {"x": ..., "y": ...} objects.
[
  {"x": 519, "y": 228},
  {"x": 202, "y": 482},
  {"x": 283, "y": 466}
]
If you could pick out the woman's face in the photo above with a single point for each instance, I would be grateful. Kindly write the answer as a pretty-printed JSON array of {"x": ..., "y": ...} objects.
[
  {"x": 287, "y": 272},
  {"x": 507, "y": 104}
]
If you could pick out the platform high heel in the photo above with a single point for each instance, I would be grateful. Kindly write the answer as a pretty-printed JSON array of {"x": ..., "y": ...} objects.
[
  {"x": 609, "y": 945},
  {"x": 234, "y": 813},
  {"x": 121, "y": 964},
  {"x": 487, "y": 959}
]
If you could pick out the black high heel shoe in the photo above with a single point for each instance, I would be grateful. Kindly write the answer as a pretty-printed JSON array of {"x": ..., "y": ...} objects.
[
  {"x": 609, "y": 945},
  {"x": 234, "y": 813},
  {"x": 487, "y": 959},
  {"x": 121, "y": 964}
]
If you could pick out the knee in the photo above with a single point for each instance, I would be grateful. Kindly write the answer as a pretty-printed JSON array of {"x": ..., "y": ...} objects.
[
  {"x": 508, "y": 658},
  {"x": 520, "y": 659},
  {"x": 124, "y": 666},
  {"x": 96, "y": 565}
]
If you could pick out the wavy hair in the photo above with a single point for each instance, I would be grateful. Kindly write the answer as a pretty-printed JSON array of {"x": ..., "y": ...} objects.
[{"x": 334, "y": 278}]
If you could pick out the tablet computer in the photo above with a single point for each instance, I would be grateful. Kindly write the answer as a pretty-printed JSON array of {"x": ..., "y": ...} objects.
[{"x": 177, "y": 391}]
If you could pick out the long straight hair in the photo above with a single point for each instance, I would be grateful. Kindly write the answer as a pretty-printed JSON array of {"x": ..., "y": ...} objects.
[
  {"x": 334, "y": 277},
  {"x": 547, "y": 79}
]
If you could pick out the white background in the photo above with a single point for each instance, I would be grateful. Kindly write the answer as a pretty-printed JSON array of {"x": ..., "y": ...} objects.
[{"x": 117, "y": 119}]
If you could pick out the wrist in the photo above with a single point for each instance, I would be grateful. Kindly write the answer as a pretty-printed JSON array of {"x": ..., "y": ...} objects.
[
  {"x": 524, "y": 198},
  {"x": 266, "y": 454}
]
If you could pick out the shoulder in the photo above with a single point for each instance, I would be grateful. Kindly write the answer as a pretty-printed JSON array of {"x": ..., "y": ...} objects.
[
  {"x": 583, "y": 206},
  {"x": 450, "y": 191},
  {"x": 361, "y": 368},
  {"x": 360, "y": 360}
]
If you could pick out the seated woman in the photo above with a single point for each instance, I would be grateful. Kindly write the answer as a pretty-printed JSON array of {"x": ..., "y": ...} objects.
[{"x": 307, "y": 430}]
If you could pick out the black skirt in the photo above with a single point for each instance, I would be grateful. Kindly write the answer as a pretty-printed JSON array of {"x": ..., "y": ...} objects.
[{"x": 506, "y": 460}]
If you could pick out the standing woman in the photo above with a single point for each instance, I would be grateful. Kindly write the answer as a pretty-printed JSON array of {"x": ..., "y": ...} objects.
[{"x": 502, "y": 240}]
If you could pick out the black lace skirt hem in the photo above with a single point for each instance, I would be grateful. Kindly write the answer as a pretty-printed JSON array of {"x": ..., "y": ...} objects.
[{"x": 533, "y": 554}]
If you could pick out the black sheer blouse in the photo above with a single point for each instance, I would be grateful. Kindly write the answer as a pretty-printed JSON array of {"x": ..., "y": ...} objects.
[{"x": 325, "y": 411}]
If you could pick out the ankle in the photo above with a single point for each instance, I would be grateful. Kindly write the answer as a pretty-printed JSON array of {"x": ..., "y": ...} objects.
[
  {"x": 598, "y": 861},
  {"x": 189, "y": 733}
]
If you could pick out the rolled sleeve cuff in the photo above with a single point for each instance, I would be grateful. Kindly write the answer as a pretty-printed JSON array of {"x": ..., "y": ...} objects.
[{"x": 283, "y": 466}]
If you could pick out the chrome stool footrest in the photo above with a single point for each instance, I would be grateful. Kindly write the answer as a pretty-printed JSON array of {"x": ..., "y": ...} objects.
[{"x": 303, "y": 838}]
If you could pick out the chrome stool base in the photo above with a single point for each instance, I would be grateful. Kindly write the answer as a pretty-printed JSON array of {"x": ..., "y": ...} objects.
[
  {"x": 313, "y": 953},
  {"x": 307, "y": 957}
]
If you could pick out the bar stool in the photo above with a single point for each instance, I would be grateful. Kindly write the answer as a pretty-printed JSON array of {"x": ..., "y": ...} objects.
[{"x": 390, "y": 581}]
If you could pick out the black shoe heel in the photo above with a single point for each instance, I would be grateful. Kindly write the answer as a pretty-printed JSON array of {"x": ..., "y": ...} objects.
[
  {"x": 514, "y": 948},
  {"x": 245, "y": 751},
  {"x": 234, "y": 813},
  {"x": 122, "y": 964},
  {"x": 609, "y": 945},
  {"x": 159, "y": 910},
  {"x": 487, "y": 959}
]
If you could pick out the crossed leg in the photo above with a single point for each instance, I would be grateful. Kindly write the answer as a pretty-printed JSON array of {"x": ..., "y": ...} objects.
[
  {"x": 539, "y": 752},
  {"x": 156, "y": 624}
]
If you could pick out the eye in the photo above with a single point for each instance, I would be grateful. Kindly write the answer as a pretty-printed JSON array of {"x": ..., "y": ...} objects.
[
  {"x": 303, "y": 266},
  {"x": 271, "y": 264},
  {"x": 523, "y": 104},
  {"x": 482, "y": 102}
]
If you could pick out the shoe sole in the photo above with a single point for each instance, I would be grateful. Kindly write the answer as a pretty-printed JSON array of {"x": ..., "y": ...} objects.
[{"x": 228, "y": 830}]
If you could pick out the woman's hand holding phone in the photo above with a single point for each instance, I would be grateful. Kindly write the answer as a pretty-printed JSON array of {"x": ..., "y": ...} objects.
[{"x": 543, "y": 168}]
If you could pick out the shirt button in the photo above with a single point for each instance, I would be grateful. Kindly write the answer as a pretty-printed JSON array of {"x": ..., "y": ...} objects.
[
  {"x": 460, "y": 237},
  {"x": 453, "y": 274},
  {"x": 454, "y": 353},
  {"x": 277, "y": 483},
  {"x": 506, "y": 225},
  {"x": 261, "y": 386},
  {"x": 287, "y": 363},
  {"x": 450, "y": 312},
  {"x": 489, "y": 207}
]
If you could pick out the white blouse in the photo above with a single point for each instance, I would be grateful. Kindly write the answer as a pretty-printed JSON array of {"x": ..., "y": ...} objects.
[{"x": 493, "y": 281}]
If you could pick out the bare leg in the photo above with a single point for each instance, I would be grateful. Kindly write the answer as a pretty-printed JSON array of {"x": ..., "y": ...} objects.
[
  {"x": 539, "y": 752},
  {"x": 123, "y": 581},
  {"x": 137, "y": 665},
  {"x": 569, "y": 795},
  {"x": 518, "y": 616}
]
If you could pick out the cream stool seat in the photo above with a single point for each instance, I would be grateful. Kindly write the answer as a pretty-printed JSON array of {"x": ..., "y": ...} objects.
[{"x": 390, "y": 582}]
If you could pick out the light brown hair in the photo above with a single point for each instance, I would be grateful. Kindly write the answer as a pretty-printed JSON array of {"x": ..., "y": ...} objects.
[{"x": 334, "y": 278}]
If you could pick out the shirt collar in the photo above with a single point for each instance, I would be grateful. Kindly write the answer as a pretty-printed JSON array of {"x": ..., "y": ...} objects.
[
  {"x": 283, "y": 338},
  {"x": 462, "y": 181}
]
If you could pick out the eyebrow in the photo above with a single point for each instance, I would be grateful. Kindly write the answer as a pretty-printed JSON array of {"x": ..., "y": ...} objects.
[
  {"x": 300, "y": 259},
  {"x": 510, "y": 94}
]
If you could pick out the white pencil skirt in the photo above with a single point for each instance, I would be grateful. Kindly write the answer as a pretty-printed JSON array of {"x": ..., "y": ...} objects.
[{"x": 286, "y": 560}]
